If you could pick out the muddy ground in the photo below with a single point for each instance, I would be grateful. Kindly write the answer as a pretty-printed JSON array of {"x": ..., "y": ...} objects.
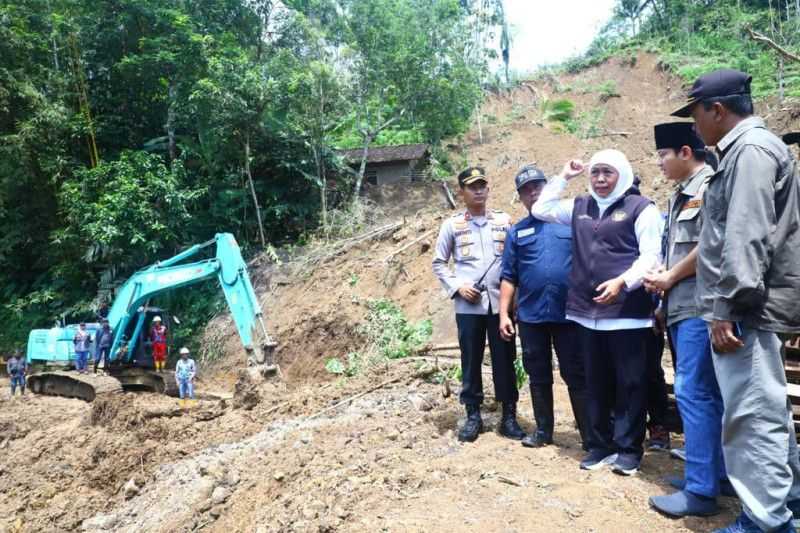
[{"x": 288, "y": 456}]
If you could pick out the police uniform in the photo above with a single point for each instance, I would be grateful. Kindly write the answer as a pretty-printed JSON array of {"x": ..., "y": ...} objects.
[{"x": 475, "y": 244}]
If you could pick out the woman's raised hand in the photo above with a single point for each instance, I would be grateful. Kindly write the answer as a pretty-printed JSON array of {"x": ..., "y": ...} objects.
[{"x": 572, "y": 169}]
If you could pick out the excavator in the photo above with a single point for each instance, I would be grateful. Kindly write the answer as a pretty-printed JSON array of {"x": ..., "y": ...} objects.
[{"x": 128, "y": 366}]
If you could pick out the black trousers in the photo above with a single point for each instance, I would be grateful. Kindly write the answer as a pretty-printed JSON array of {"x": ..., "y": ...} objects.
[
  {"x": 657, "y": 402},
  {"x": 538, "y": 341},
  {"x": 472, "y": 333},
  {"x": 616, "y": 382}
]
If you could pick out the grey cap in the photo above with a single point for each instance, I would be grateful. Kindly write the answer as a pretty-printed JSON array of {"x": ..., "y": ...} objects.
[{"x": 527, "y": 174}]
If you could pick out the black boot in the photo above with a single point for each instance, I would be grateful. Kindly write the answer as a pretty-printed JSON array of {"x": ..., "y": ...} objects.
[
  {"x": 542, "y": 397},
  {"x": 473, "y": 425},
  {"x": 578, "y": 401},
  {"x": 509, "y": 427}
]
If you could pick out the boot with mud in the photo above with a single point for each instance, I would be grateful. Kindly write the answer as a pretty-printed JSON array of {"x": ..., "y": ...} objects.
[
  {"x": 578, "y": 401},
  {"x": 509, "y": 427},
  {"x": 473, "y": 425},
  {"x": 542, "y": 398}
]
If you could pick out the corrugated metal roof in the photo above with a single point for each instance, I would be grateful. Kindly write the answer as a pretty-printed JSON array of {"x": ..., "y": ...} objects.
[{"x": 384, "y": 154}]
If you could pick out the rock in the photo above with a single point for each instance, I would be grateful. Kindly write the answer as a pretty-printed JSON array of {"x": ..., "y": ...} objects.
[
  {"x": 305, "y": 438},
  {"x": 216, "y": 511},
  {"x": 220, "y": 494},
  {"x": 130, "y": 489},
  {"x": 101, "y": 522},
  {"x": 232, "y": 478},
  {"x": 419, "y": 402},
  {"x": 339, "y": 512},
  {"x": 204, "y": 505},
  {"x": 309, "y": 513},
  {"x": 204, "y": 489},
  {"x": 279, "y": 476},
  {"x": 393, "y": 434}
]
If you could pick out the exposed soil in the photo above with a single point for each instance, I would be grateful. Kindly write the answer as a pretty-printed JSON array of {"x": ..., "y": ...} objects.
[{"x": 281, "y": 456}]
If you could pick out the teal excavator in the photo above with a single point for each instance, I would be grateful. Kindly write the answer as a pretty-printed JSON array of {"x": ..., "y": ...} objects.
[{"x": 129, "y": 366}]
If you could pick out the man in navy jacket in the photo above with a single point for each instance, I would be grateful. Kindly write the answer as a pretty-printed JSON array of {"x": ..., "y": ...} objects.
[{"x": 536, "y": 263}]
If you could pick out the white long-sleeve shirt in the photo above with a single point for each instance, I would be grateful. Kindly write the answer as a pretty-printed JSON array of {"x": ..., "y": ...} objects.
[{"x": 648, "y": 227}]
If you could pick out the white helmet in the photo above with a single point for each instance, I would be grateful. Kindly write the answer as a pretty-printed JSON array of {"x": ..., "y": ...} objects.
[
  {"x": 156, "y": 319},
  {"x": 185, "y": 350}
]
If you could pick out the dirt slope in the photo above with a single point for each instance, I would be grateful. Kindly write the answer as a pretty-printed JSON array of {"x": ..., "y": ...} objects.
[{"x": 387, "y": 460}]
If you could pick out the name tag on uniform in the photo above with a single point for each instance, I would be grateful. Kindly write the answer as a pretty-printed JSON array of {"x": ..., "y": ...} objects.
[{"x": 525, "y": 232}]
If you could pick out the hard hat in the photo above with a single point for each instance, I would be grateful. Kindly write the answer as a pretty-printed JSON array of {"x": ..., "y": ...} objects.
[
  {"x": 156, "y": 319},
  {"x": 185, "y": 350}
]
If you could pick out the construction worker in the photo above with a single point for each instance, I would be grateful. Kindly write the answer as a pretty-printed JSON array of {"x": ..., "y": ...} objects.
[
  {"x": 17, "y": 368},
  {"x": 536, "y": 265},
  {"x": 81, "y": 341},
  {"x": 158, "y": 338},
  {"x": 682, "y": 159},
  {"x": 185, "y": 370},
  {"x": 474, "y": 239},
  {"x": 747, "y": 293},
  {"x": 103, "y": 341},
  {"x": 616, "y": 240}
]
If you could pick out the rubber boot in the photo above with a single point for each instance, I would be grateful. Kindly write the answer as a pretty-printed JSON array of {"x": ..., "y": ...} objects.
[
  {"x": 473, "y": 425},
  {"x": 509, "y": 427},
  {"x": 578, "y": 401},
  {"x": 542, "y": 398}
]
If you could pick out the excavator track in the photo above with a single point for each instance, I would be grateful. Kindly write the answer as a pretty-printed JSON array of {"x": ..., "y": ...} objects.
[
  {"x": 86, "y": 387},
  {"x": 89, "y": 387}
]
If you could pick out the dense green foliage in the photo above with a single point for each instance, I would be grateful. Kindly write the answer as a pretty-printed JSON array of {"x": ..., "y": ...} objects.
[
  {"x": 696, "y": 36},
  {"x": 130, "y": 129}
]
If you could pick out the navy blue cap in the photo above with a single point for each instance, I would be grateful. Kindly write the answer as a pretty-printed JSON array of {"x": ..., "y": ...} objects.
[
  {"x": 724, "y": 82},
  {"x": 792, "y": 138},
  {"x": 527, "y": 174}
]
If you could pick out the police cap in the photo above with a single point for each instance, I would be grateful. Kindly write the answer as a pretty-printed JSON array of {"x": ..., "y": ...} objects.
[{"x": 723, "y": 82}]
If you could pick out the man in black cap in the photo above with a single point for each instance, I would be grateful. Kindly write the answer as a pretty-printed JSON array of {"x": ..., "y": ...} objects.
[
  {"x": 536, "y": 264},
  {"x": 475, "y": 238},
  {"x": 747, "y": 292},
  {"x": 682, "y": 159}
]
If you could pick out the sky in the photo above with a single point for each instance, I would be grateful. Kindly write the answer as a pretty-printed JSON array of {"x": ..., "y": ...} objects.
[{"x": 550, "y": 31}]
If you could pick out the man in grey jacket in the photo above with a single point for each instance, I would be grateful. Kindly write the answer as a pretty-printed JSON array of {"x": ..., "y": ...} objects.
[{"x": 747, "y": 291}]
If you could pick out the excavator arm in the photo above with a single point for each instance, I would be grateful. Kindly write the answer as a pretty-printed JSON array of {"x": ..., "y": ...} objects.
[{"x": 231, "y": 271}]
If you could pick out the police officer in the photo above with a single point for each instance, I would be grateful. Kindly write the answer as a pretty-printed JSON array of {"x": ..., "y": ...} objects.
[
  {"x": 536, "y": 264},
  {"x": 747, "y": 292},
  {"x": 682, "y": 159},
  {"x": 474, "y": 239}
]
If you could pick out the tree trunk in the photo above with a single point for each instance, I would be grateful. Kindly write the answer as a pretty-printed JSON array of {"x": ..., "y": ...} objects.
[
  {"x": 780, "y": 79},
  {"x": 362, "y": 168},
  {"x": 253, "y": 190},
  {"x": 323, "y": 187},
  {"x": 170, "y": 127}
]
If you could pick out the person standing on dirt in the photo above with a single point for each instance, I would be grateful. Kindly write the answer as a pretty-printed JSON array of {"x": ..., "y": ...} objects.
[
  {"x": 158, "y": 338},
  {"x": 17, "y": 368},
  {"x": 475, "y": 239},
  {"x": 185, "y": 370},
  {"x": 536, "y": 264},
  {"x": 82, "y": 342},
  {"x": 104, "y": 340},
  {"x": 747, "y": 293},
  {"x": 616, "y": 240},
  {"x": 682, "y": 159}
]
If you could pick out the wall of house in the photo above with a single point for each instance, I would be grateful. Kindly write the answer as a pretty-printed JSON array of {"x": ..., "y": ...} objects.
[{"x": 396, "y": 172}]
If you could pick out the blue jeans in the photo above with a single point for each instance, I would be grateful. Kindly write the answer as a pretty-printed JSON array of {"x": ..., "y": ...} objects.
[
  {"x": 17, "y": 381},
  {"x": 186, "y": 388},
  {"x": 700, "y": 406},
  {"x": 80, "y": 360}
]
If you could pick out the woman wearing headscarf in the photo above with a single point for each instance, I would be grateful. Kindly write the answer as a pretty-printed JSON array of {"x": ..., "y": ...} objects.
[{"x": 616, "y": 241}]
